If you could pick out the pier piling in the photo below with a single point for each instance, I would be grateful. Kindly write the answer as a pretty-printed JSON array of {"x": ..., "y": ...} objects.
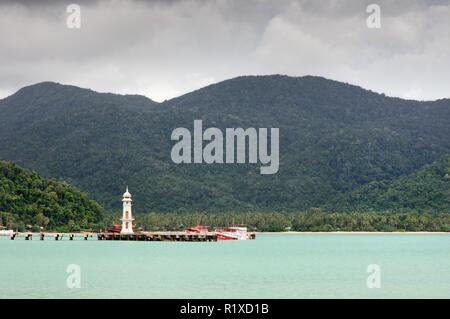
[{"x": 160, "y": 236}]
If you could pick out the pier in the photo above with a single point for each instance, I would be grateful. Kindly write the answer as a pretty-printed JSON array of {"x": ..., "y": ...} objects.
[
  {"x": 180, "y": 236},
  {"x": 160, "y": 236},
  {"x": 54, "y": 236}
]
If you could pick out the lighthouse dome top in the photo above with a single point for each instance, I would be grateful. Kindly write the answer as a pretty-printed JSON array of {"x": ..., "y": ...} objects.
[{"x": 127, "y": 194}]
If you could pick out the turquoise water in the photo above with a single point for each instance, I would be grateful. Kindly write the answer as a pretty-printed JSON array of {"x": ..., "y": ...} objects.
[{"x": 272, "y": 266}]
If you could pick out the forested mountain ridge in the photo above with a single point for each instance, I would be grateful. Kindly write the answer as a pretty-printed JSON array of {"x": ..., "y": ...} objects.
[
  {"x": 334, "y": 138},
  {"x": 27, "y": 198},
  {"x": 427, "y": 190}
]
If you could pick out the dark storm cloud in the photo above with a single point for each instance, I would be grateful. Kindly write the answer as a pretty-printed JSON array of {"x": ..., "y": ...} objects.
[{"x": 166, "y": 48}]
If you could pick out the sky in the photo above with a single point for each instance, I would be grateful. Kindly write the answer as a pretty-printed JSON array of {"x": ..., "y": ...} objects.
[{"x": 163, "y": 49}]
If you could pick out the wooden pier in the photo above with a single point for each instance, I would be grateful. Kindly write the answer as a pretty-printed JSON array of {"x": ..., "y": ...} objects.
[
  {"x": 160, "y": 236},
  {"x": 55, "y": 236},
  {"x": 140, "y": 236}
]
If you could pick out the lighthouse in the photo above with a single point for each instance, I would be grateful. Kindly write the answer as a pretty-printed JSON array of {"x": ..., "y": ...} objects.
[{"x": 127, "y": 217}]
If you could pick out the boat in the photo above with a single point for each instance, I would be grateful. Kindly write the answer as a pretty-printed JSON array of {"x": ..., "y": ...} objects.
[
  {"x": 223, "y": 233},
  {"x": 197, "y": 229},
  {"x": 8, "y": 232},
  {"x": 115, "y": 228},
  {"x": 232, "y": 233}
]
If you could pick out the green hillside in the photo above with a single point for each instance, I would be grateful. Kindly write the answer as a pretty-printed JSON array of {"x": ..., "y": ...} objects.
[
  {"x": 334, "y": 138},
  {"x": 427, "y": 190},
  {"x": 27, "y": 198}
]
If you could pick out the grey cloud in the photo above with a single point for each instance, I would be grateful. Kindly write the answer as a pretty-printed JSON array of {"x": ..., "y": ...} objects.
[{"x": 166, "y": 48}]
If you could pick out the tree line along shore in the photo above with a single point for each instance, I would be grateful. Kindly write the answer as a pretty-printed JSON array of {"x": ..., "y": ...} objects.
[
  {"x": 313, "y": 220},
  {"x": 29, "y": 202}
]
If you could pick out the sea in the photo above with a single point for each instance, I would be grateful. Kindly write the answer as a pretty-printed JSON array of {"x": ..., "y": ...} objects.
[{"x": 272, "y": 266}]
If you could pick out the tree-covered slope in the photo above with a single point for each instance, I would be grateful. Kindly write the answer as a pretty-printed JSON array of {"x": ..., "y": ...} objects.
[
  {"x": 25, "y": 197},
  {"x": 427, "y": 190},
  {"x": 334, "y": 138}
]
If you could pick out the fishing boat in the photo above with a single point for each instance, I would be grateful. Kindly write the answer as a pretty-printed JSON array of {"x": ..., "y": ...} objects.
[
  {"x": 116, "y": 228},
  {"x": 197, "y": 229},
  {"x": 232, "y": 233}
]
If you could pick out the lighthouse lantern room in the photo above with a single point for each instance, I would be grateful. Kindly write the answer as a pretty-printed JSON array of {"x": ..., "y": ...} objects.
[{"x": 127, "y": 217}]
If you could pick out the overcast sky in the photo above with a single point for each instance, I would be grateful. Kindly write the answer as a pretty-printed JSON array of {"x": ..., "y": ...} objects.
[{"x": 163, "y": 49}]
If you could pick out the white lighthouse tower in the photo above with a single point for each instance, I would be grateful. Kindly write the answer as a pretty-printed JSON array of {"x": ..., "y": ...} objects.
[{"x": 127, "y": 217}]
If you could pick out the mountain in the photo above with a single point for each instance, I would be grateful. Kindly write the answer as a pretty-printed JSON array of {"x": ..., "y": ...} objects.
[
  {"x": 334, "y": 138},
  {"x": 427, "y": 190},
  {"x": 25, "y": 197}
]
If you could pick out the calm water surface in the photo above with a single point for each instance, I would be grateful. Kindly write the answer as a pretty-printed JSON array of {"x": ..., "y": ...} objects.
[{"x": 272, "y": 266}]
